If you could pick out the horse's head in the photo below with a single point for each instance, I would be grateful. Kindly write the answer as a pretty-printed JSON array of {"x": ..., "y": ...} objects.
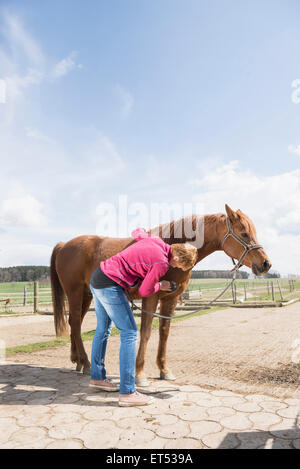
[{"x": 243, "y": 227}]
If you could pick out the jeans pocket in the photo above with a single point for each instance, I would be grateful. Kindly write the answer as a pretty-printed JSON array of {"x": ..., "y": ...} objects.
[{"x": 112, "y": 295}]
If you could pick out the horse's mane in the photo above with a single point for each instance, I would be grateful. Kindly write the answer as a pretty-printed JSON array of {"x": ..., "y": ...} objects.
[{"x": 190, "y": 228}]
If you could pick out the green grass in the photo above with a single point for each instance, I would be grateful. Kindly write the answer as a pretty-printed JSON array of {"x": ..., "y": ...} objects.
[{"x": 86, "y": 336}]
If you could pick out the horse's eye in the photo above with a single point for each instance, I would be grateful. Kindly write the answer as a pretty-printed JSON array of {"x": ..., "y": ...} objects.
[{"x": 244, "y": 235}]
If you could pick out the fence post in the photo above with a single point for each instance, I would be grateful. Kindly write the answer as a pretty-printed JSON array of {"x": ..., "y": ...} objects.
[
  {"x": 272, "y": 288},
  {"x": 245, "y": 290},
  {"x": 24, "y": 300},
  {"x": 280, "y": 290},
  {"x": 35, "y": 296},
  {"x": 232, "y": 289}
]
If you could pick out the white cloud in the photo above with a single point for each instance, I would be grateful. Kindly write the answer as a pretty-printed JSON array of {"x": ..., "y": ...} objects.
[
  {"x": 15, "y": 252},
  {"x": 22, "y": 211},
  {"x": 66, "y": 65},
  {"x": 36, "y": 134},
  {"x": 20, "y": 40},
  {"x": 272, "y": 202},
  {"x": 294, "y": 149},
  {"x": 126, "y": 100}
]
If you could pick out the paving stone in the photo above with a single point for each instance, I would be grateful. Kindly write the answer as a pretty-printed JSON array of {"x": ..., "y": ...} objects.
[
  {"x": 65, "y": 444},
  {"x": 10, "y": 426},
  {"x": 286, "y": 429},
  {"x": 289, "y": 412},
  {"x": 176, "y": 430},
  {"x": 133, "y": 438},
  {"x": 41, "y": 397},
  {"x": 272, "y": 406},
  {"x": 259, "y": 397},
  {"x": 125, "y": 412},
  {"x": 236, "y": 422},
  {"x": 254, "y": 439},
  {"x": 247, "y": 407},
  {"x": 66, "y": 431},
  {"x": 34, "y": 419},
  {"x": 97, "y": 413},
  {"x": 11, "y": 410},
  {"x": 165, "y": 419},
  {"x": 183, "y": 443},
  {"x": 296, "y": 443},
  {"x": 207, "y": 401},
  {"x": 277, "y": 443},
  {"x": 217, "y": 413},
  {"x": 201, "y": 429},
  {"x": 64, "y": 419},
  {"x": 221, "y": 440},
  {"x": 231, "y": 401},
  {"x": 99, "y": 435},
  {"x": 28, "y": 436},
  {"x": 292, "y": 402},
  {"x": 137, "y": 422},
  {"x": 264, "y": 420},
  {"x": 156, "y": 408},
  {"x": 190, "y": 388},
  {"x": 192, "y": 413}
]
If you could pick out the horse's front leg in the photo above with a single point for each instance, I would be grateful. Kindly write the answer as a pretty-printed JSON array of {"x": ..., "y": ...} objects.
[
  {"x": 167, "y": 308},
  {"x": 150, "y": 304}
]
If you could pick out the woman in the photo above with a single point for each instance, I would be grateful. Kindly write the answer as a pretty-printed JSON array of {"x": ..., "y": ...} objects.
[{"x": 147, "y": 260}]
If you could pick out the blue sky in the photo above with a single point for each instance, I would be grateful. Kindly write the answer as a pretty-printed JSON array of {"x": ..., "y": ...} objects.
[{"x": 164, "y": 101}]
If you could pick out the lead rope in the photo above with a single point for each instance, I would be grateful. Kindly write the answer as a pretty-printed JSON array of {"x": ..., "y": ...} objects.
[
  {"x": 247, "y": 247},
  {"x": 135, "y": 306}
]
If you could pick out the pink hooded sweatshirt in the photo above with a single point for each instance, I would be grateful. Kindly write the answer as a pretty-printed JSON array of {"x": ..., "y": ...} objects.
[{"x": 146, "y": 260}]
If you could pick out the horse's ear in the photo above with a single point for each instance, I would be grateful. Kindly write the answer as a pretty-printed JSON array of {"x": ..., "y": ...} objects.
[{"x": 232, "y": 215}]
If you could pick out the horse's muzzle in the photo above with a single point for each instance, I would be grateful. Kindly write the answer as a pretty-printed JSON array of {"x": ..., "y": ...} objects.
[{"x": 263, "y": 269}]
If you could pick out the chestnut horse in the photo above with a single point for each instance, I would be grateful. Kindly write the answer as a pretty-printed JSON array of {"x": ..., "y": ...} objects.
[{"x": 72, "y": 264}]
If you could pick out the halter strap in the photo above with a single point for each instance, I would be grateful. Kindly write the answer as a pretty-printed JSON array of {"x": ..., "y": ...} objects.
[{"x": 247, "y": 247}]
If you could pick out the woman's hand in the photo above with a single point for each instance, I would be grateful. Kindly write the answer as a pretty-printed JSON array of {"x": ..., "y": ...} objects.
[{"x": 165, "y": 285}]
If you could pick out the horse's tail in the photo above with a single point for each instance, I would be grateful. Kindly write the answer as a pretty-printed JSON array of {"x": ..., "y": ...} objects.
[{"x": 58, "y": 296}]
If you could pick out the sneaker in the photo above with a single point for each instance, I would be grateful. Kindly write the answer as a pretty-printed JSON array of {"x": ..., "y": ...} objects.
[
  {"x": 104, "y": 385},
  {"x": 130, "y": 400}
]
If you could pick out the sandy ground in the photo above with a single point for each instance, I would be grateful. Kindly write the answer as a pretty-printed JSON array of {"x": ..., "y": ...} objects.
[{"x": 243, "y": 350}]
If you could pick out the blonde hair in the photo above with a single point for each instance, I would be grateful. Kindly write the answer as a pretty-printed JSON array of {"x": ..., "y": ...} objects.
[{"x": 187, "y": 254}]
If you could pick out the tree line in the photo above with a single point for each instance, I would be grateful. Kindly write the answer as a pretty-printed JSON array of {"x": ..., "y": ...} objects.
[
  {"x": 30, "y": 273},
  {"x": 24, "y": 273}
]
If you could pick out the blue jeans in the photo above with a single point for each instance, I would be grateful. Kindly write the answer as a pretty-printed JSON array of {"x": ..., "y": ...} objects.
[{"x": 111, "y": 305}]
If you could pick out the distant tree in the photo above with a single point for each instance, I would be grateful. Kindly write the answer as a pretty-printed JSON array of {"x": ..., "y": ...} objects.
[
  {"x": 218, "y": 274},
  {"x": 24, "y": 273}
]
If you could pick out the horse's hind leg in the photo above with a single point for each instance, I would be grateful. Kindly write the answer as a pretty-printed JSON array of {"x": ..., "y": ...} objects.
[
  {"x": 146, "y": 324},
  {"x": 78, "y": 354},
  {"x": 166, "y": 309},
  {"x": 86, "y": 302}
]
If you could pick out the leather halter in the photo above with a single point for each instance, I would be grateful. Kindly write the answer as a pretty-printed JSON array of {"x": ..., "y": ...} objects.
[{"x": 247, "y": 247}]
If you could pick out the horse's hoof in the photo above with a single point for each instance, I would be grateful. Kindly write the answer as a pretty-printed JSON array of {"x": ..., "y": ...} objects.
[
  {"x": 78, "y": 367},
  {"x": 167, "y": 376},
  {"x": 86, "y": 371},
  {"x": 142, "y": 382}
]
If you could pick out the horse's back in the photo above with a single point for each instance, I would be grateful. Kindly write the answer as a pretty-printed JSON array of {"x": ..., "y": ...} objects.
[{"x": 78, "y": 257}]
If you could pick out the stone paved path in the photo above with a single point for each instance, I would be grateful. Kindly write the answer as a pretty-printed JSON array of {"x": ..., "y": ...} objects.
[{"x": 43, "y": 407}]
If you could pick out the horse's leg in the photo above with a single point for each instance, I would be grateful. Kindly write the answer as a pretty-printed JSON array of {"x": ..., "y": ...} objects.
[
  {"x": 86, "y": 302},
  {"x": 167, "y": 308},
  {"x": 149, "y": 304},
  {"x": 78, "y": 354}
]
